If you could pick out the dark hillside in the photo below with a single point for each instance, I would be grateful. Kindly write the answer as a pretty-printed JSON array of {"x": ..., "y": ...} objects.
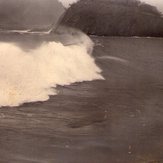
[{"x": 115, "y": 18}]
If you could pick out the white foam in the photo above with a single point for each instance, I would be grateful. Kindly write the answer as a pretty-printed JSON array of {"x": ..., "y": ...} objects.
[
  {"x": 118, "y": 59},
  {"x": 29, "y": 76}
]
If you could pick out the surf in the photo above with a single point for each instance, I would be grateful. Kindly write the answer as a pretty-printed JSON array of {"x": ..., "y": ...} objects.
[{"x": 30, "y": 75}]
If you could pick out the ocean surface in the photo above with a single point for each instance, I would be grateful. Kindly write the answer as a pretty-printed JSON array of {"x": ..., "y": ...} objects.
[{"x": 116, "y": 120}]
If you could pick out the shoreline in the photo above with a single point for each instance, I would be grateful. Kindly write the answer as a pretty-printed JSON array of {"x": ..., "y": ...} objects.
[{"x": 137, "y": 37}]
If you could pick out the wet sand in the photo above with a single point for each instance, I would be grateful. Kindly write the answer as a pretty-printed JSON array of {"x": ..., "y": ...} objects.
[{"x": 117, "y": 120}]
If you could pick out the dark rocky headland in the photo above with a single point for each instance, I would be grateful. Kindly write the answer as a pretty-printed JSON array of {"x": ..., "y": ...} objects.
[{"x": 115, "y": 18}]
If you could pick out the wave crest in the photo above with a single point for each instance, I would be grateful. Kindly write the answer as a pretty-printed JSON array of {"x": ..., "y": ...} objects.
[{"x": 32, "y": 75}]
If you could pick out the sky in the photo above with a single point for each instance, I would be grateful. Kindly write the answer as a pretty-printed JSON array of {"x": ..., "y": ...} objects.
[
  {"x": 66, "y": 3},
  {"x": 157, "y": 3}
]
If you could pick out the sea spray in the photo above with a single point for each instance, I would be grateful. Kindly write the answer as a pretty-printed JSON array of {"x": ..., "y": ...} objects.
[{"x": 33, "y": 75}]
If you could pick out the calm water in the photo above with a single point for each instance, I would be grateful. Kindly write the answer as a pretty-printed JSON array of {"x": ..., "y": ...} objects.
[{"x": 117, "y": 120}]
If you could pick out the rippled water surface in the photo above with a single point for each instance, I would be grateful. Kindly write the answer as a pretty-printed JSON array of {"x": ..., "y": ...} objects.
[{"x": 116, "y": 120}]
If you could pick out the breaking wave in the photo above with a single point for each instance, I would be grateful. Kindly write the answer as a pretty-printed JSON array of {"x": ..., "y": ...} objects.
[{"x": 32, "y": 75}]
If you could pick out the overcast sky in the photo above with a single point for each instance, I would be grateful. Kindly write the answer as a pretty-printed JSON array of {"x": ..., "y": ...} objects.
[
  {"x": 157, "y": 3},
  {"x": 67, "y": 2}
]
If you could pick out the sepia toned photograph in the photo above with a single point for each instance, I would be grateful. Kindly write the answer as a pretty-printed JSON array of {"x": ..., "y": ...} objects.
[{"x": 81, "y": 81}]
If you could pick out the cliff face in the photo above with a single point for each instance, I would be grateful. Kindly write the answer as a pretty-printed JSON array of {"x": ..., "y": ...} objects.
[
  {"x": 20, "y": 14},
  {"x": 115, "y": 18}
]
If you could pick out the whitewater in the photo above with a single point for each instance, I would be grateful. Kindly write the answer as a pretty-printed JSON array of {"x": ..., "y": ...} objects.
[{"x": 30, "y": 75}]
